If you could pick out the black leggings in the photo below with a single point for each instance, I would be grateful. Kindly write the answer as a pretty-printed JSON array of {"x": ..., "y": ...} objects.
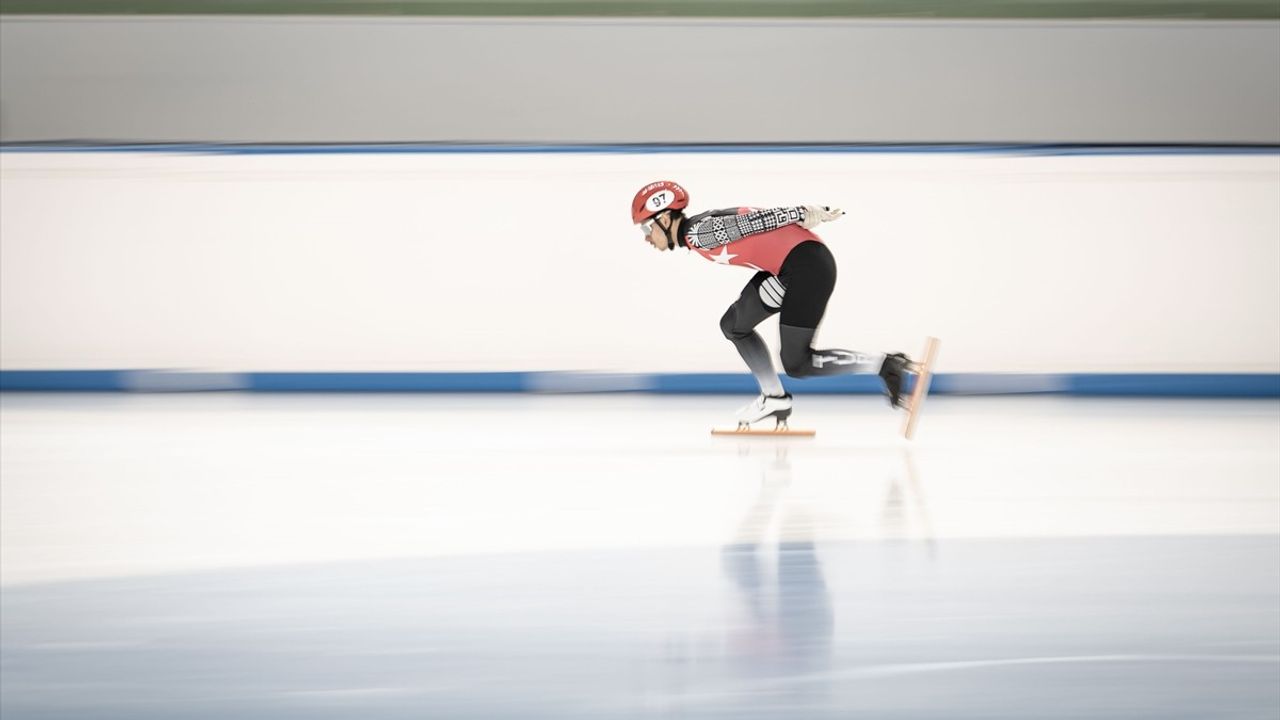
[{"x": 800, "y": 292}]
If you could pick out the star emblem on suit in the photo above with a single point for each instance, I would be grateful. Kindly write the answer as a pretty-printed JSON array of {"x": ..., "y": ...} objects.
[{"x": 724, "y": 257}]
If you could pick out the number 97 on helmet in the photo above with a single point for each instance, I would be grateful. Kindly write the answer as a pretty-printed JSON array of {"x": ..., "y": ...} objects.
[{"x": 657, "y": 197}]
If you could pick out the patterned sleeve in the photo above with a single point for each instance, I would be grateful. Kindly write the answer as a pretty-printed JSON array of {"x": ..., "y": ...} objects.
[{"x": 716, "y": 230}]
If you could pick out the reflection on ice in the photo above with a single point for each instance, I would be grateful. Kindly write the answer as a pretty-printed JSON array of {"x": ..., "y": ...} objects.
[{"x": 216, "y": 556}]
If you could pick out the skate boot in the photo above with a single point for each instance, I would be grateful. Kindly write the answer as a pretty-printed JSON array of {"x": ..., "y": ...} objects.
[
  {"x": 893, "y": 372},
  {"x": 776, "y": 407}
]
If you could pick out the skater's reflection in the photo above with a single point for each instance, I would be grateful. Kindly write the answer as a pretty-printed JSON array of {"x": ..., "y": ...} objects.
[
  {"x": 904, "y": 513},
  {"x": 788, "y": 612}
]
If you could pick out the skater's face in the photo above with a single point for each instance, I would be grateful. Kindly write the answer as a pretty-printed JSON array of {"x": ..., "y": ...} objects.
[{"x": 655, "y": 231}]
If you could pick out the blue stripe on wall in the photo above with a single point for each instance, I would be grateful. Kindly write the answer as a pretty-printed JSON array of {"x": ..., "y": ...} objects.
[
  {"x": 1179, "y": 385},
  {"x": 64, "y": 380},
  {"x": 1209, "y": 385},
  {"x": 717, "y": 383},
  {"x": 509, "y": 382}
]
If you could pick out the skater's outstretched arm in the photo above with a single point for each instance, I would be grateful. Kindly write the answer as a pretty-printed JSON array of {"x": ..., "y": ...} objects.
[{"x": 711, "y": 230}]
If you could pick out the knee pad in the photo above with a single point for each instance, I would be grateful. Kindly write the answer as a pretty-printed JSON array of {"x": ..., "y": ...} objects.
[
  {"x": 729, "y": 326},
  {"x": 796, "y": 362},
  {"x": 797, "y": 350}
]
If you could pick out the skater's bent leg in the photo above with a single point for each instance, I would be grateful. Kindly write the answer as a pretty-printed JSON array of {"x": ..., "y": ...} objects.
[
  {"x": 801, "y": 360},
  {"x": 810, "y": 274},
  {"x": 739, "y": 322}
]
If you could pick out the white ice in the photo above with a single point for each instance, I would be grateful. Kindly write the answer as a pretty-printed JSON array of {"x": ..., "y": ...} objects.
[{"x": 114, "y": 485}]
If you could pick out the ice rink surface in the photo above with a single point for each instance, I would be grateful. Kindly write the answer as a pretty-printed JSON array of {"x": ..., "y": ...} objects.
[{"x": 602, "y": 556}]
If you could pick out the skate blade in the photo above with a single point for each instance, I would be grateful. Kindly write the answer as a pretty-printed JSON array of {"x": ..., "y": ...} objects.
[
  {"x": 765, "y": 432},
  {"x": 924, "y": 374}
]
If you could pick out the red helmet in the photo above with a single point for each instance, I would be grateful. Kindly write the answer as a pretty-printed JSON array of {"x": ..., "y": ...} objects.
[{"x": 656, "y": 197}]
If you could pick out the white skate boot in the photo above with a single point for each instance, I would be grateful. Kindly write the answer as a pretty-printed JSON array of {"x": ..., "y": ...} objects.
[{"x": 765, "y": 406}]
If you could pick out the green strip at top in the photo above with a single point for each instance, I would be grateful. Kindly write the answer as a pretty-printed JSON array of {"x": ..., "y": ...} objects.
[{"x": 924, "y": 9}]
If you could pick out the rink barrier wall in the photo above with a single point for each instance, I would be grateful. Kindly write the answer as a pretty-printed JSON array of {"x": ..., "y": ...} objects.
[
  {"x": 1192, "y": 385},
  {"x": 75, "y": 298}
]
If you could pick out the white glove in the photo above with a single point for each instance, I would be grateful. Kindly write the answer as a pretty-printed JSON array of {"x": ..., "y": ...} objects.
[{"x": 815, "y": 214}]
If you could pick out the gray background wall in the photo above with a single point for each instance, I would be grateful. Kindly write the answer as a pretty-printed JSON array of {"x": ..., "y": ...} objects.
[{"x": 307, "y": 79}]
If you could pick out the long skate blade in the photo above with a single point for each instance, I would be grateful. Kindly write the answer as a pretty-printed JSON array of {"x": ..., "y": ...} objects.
[
  {"x": 921, "y": 389},
  {"x": 766, "y": 433}
]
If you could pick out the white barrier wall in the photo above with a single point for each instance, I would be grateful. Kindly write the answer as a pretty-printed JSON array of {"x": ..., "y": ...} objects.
[{"x": 513, "y": 261}]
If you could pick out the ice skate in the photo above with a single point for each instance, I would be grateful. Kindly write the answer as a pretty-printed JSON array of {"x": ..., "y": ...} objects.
[
  {"x": 893, "y": 372},
  {"x": 763, "y": 408}
]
